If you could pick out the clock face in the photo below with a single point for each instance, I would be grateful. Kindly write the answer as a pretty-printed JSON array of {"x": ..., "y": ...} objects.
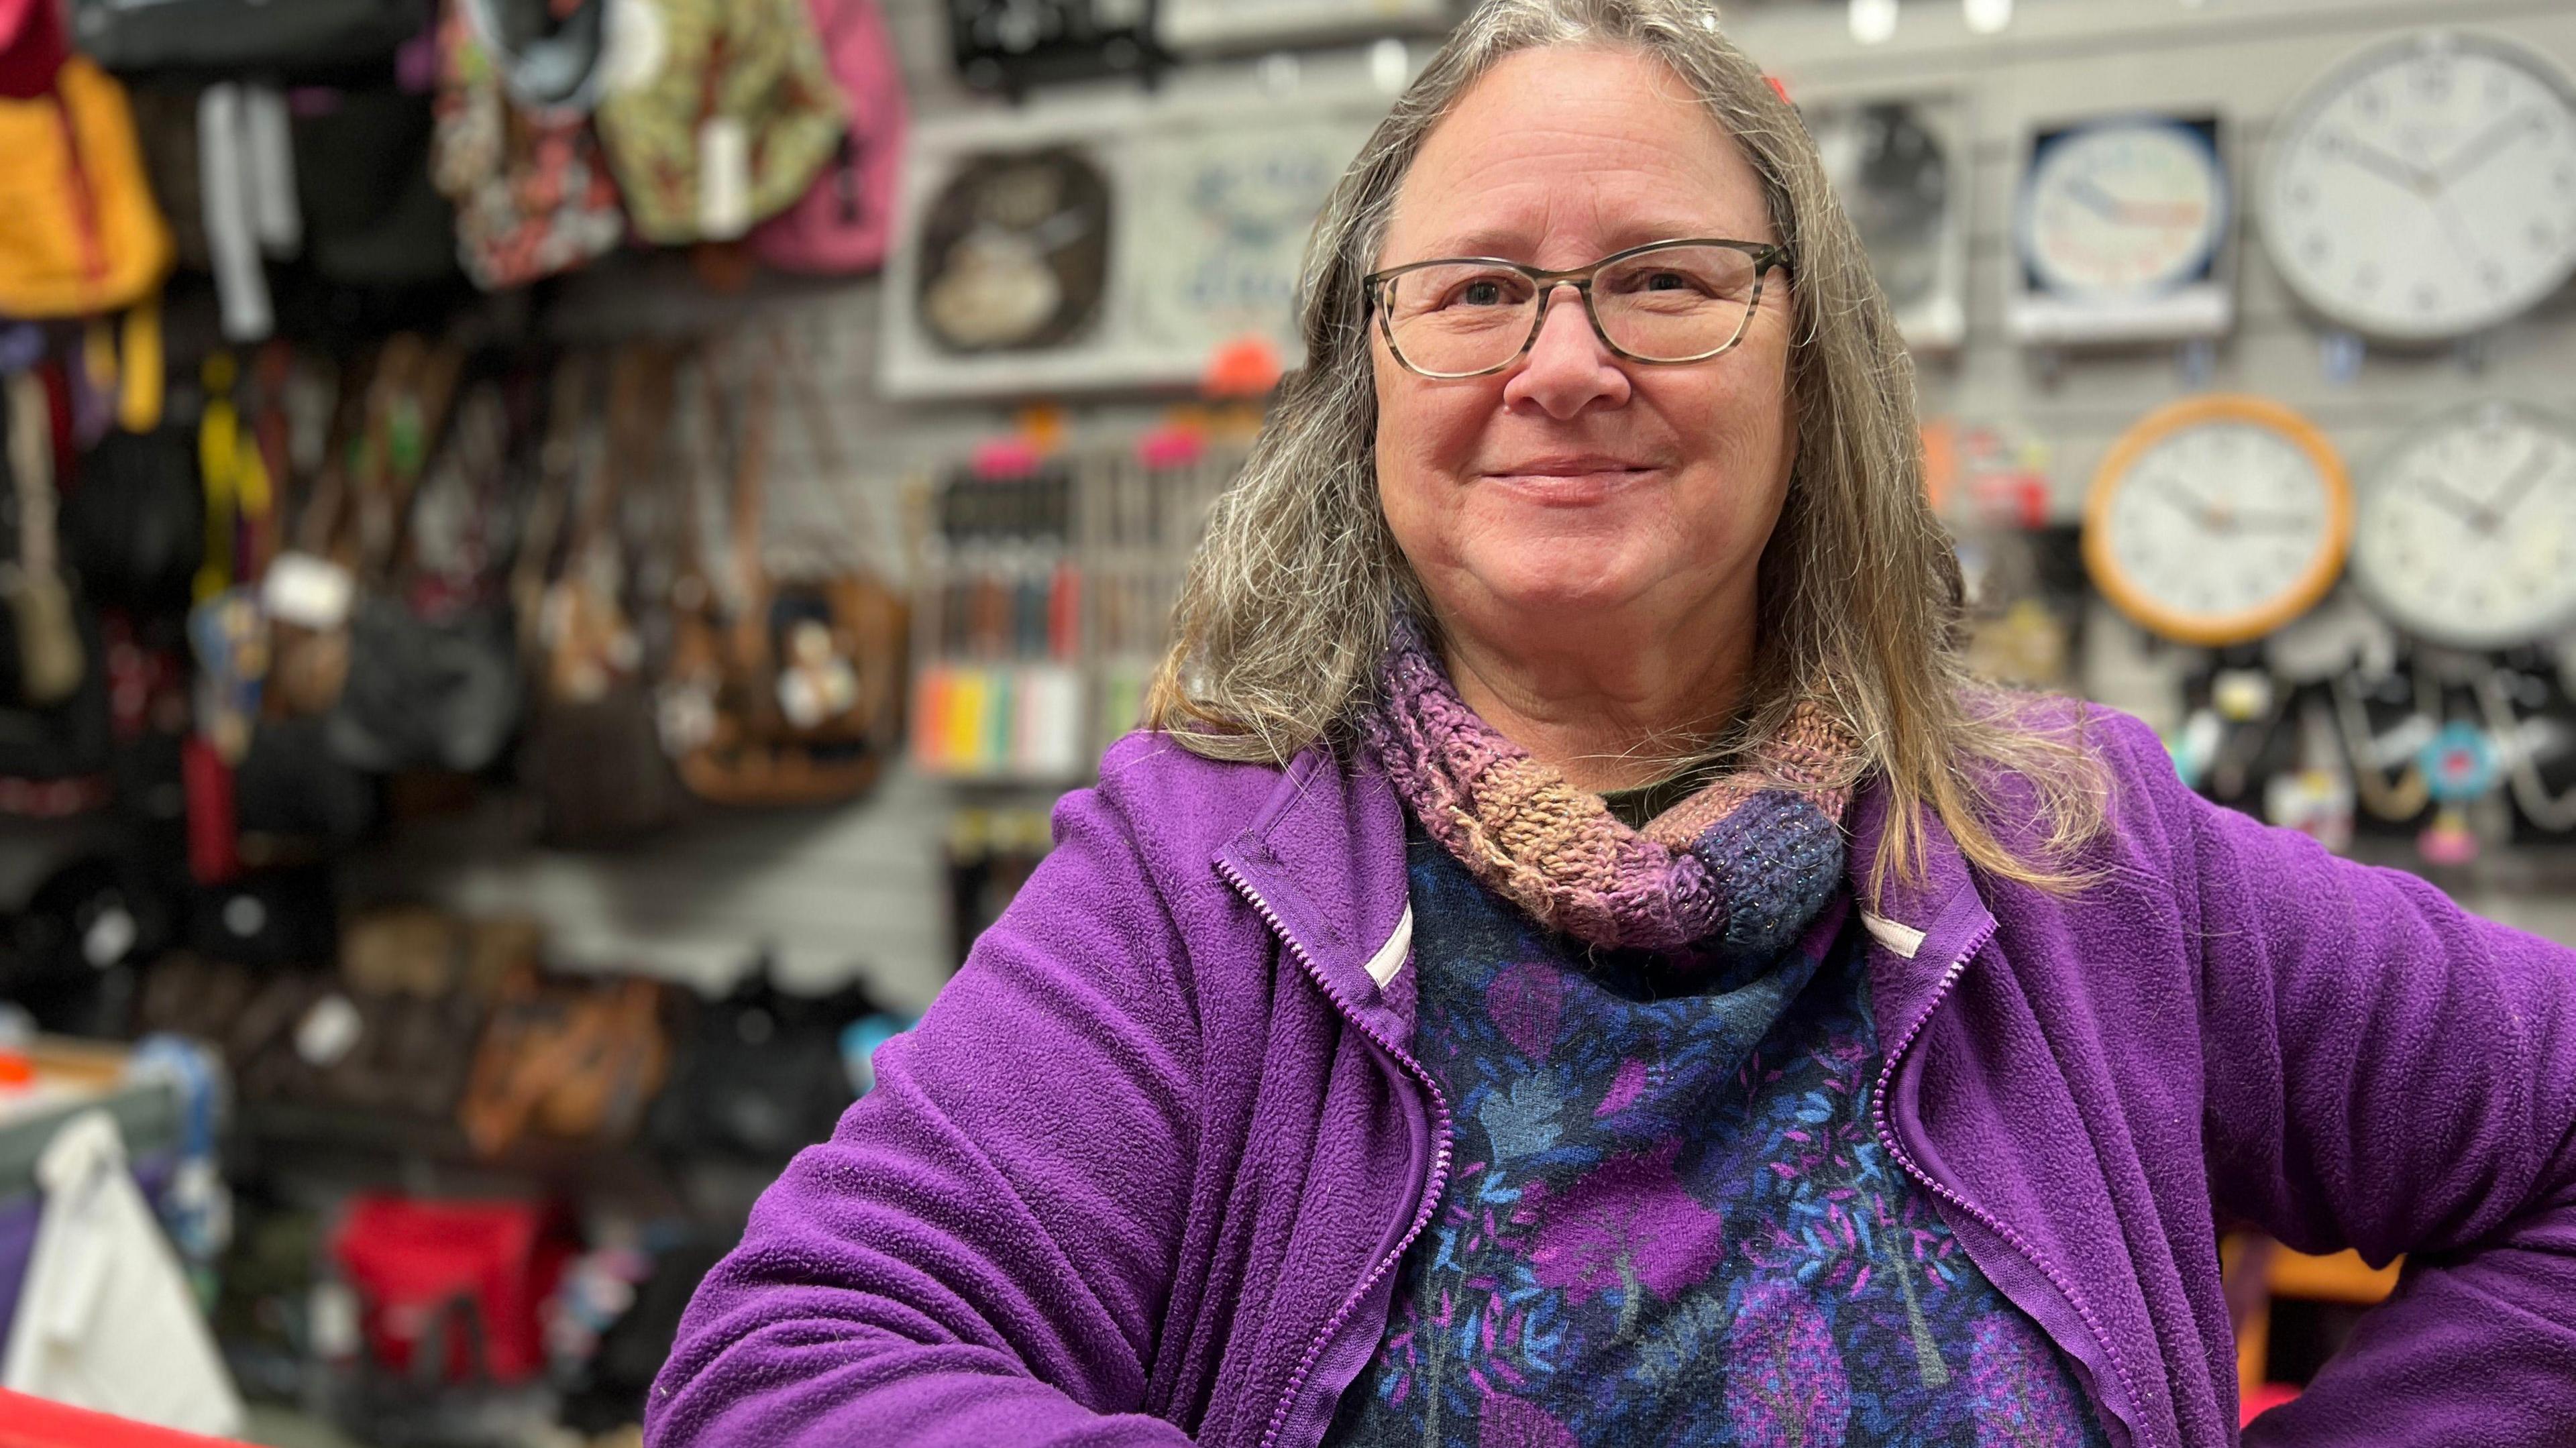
[
  {"x": 1893, "y": 177},
  {"x": 2216, "y": 520},
  {"x": 2467, "y": 532},
  {"x": 2123, "y": 208},
  {"x": 2428, "y": 188}
]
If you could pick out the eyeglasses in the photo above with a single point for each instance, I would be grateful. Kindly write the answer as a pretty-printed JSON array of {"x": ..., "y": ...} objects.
[{"x": 1664, "y": 302}]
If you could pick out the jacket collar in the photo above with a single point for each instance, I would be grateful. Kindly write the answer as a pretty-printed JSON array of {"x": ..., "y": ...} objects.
[
  {"x": 1325, "y": 859},
  {"x": 1924, "y": 922}
]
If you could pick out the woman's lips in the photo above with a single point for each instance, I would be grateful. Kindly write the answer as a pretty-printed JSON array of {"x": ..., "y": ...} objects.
[{"x": 1572, "y": 487}]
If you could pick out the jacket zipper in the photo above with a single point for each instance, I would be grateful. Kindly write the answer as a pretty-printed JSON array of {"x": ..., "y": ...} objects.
[
  {"x": 1895, "y": 1148},
  {"x": 1439, "y": 1162}
]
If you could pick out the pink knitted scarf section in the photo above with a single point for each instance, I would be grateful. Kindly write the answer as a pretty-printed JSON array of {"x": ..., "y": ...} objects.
[{"x": 1739, "y": 866}]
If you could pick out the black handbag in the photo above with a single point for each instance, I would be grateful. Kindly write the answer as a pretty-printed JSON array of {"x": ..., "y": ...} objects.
[
  {"x": 372, "y": 215},
  {"x": 423, "y": 693},
  {"x": 134, "y": 529},
  {"x": 760, "y": 1074},
  {"x": 298, "y": 38}
]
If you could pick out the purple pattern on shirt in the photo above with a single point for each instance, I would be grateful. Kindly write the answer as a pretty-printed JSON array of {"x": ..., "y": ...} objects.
[{"x": 1670, "y": 1221}]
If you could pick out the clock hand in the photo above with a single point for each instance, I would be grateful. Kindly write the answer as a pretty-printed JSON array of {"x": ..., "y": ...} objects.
[
  {"x": 2382, "y": 164},
  {"x": 2202, "y": 515},
  {"x": 2510, "y": 496},
  {"x": 2480, "y": 149},
  {"x": 2096, "y": 200}
]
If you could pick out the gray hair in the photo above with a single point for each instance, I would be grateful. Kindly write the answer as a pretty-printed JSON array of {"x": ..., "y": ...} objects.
[{"x": 1290, "y": 600}]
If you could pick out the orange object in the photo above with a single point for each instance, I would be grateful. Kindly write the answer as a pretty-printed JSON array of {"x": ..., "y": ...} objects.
[
  {"x": 1244, "y": 367},
  {"x": 78, "y": 230},
  {"x": 35, "y": 1423}
]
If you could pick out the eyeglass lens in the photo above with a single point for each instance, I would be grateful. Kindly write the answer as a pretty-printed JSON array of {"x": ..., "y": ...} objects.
[{"x": 1669, "y": 305}]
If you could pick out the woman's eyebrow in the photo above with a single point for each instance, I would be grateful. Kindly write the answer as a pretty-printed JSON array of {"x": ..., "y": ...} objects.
[{"x": 1515, "y": 244}]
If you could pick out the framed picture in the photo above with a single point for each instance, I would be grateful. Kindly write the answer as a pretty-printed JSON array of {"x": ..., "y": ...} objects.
[
  {"x": 2124, "y": 231},
  {"x": 1900, "y": 165},
  {"x": 1113, "y": 246}
]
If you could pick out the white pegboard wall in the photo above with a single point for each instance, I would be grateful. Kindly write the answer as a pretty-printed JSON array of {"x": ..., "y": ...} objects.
[{"x": 860, "y": 888}]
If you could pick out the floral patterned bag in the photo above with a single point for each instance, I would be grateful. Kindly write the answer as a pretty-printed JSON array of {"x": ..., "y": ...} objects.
[{"x": 531, "y": 186}]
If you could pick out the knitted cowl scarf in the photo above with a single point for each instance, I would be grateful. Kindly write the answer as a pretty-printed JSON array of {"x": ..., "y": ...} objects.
[{"x": 1738, "y": 867}]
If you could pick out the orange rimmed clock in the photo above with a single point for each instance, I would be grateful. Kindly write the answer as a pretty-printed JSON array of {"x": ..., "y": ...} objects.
[{"x": 2216, "y": 520}]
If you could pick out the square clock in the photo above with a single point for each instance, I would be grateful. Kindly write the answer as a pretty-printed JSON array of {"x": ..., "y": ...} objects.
[
  {"x": 1900, "y": 165},
  {"x": 1112, "y": 245},
  {"x": 2123, "y": 231}
]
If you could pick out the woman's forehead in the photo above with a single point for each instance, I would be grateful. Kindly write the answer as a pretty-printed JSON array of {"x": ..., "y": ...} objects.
[{"x": 1571, "y": 149}]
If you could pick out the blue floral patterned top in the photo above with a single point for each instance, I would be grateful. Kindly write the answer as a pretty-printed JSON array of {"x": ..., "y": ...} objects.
[{"x": 1670, "y": 1221}]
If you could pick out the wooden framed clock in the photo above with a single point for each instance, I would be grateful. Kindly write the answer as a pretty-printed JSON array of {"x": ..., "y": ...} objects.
[
  {"x": 2426, "y": 189},
  {"x": 2216, "y": 520}
]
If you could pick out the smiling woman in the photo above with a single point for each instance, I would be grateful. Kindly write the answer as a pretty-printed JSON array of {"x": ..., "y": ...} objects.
[{"x": 1575, "y": 959}]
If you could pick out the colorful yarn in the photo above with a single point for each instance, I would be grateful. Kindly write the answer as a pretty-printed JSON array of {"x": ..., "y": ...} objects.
[{"x": 1740, "y": 866}]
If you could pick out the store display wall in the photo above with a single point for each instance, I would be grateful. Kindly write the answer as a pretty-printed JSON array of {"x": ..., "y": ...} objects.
[{"x": 861, "y": 889}]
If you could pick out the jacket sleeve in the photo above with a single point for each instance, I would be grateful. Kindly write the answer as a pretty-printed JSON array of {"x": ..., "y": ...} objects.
[
  {"x": 980, "y": 1253},
  {"x": 2389, "y": 1073}
]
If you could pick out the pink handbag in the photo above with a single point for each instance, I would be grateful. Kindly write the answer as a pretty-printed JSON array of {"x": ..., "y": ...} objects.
[{"x": 845, "y": 220}]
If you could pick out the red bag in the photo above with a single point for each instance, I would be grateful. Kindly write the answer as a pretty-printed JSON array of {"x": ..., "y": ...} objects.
[
  {"x": 31, "y": 47},
  {"x": 844, "y": 222},
  {"x": 409, "y": 1260}
]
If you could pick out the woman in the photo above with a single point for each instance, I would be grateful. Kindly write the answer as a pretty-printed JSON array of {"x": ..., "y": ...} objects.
[{"x": 1574, "y": 960}]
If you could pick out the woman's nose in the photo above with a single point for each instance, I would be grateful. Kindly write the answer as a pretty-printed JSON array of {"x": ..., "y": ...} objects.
[{"x": 1568, "y": 368}]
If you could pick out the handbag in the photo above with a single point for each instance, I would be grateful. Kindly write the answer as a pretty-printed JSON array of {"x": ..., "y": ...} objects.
[
  {"x": 760, "y": 1073},
  {"x": 845, "y": 219},
  {"x": 593, "y": 751},
  {"x": 301, "y": 39},
  {"x": 435, "y": 683},
  {"x": 730, "y": 128},
  {"x": 134, "y": 529},
  {"x": 801, "y": 685},
  {"x": 575, "y": 1060},
  {"x": 514, "y": 149},
  {"x": 79, "y": 232}
]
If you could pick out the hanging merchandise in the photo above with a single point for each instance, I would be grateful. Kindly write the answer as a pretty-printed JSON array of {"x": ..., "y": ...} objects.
[
  {"x": 2459, "y": 768},
  {"x": 78, "y": 230},
  {"x": 845, "y": 220},
  {"x": 134, "y": 529},
  {"x": 1010, "y": 45},
  {"x": 2466, "y": 533},
  {"x": 2388, "y": 160},
  {"x": 760, "y": 1075},
  {"x": 246, "y": 183},
  {"x": 233, "y": 37},
  {"x": 592, "y": 749},
  {"x": 32, "y": 48},
  {"x": 1015, "y": 253},
  {"x": 51, "y": 656},
  {"x": 514, "y": 149},
  {"x": 106, "y": 1320},
  {"x": 433, "y": 677},
  {"x": 807, "y": 677},
  {"x": 373, "y": 217},
  {"x": 573, "y": 1060},
  {"x": 165, "y": 126},
  {"x": 732, "y": 124},
  {"x": 415, "y": 1262},
  {"x": 2217, "y": 519}
]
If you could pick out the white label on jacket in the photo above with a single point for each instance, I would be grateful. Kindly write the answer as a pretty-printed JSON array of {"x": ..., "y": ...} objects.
[
  {"x": 1390, "y": 956},
  {"x": 1903, "y": 939}
]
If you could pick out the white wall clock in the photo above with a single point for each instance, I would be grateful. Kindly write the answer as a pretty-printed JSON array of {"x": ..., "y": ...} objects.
[
  {"x": 2121, "y": 232},
  {"x": 2216, "y": 520},
  {"x": 2467, "y": 530},
  {"x": 2426, "y": 188}
]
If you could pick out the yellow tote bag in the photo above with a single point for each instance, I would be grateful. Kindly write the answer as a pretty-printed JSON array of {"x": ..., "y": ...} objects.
[{"x": 78, "y": 230}]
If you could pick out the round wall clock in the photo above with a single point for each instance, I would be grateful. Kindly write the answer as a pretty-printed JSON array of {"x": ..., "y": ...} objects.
[
  {"x": 2427, "y": 188},
  {"x": 2217, "y": 519},
  {"x": 2467, "y": 531},
  {"x": 2122, "y": 208}
]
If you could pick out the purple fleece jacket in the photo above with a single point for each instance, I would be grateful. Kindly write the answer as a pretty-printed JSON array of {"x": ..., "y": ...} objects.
[{"x": 1142, "y": 1175}]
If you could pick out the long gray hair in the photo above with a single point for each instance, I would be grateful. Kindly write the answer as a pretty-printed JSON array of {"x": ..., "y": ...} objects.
[{"x": 1289, "y": 602}]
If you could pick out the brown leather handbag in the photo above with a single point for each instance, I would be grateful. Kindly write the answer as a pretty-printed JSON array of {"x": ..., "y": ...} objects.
[{"x": 801, "y": 682}]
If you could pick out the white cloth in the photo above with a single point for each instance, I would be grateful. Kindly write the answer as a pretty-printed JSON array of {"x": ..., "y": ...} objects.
[{"x": 105, "y": 1321}]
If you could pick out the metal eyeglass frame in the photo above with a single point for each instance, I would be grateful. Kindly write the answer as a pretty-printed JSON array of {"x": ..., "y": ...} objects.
[{"x": 1765, "y": 255}]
